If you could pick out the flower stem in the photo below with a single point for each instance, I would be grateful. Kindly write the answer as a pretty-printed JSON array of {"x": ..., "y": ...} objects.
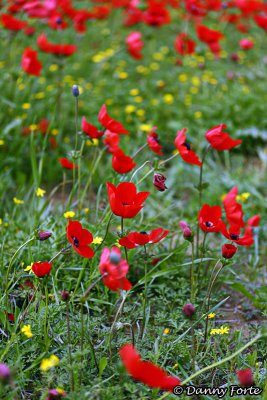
[
  {"x": 145, "y": 296},
  {"x": 192, "y": 276},
  {"x": 125, "y": 249},
  {"x": 69, "y": 346},
  {"x": 46, "y": 338},
  {"x": 123, "y": 298}
]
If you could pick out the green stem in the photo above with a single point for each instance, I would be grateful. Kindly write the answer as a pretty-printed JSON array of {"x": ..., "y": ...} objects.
[
  {"x": 82, "y": 339},
  {"x": 46, "y": 338},
  {"x": 145, "y": 295},
  {"x": 125, "y": 249},
  {"x": 69, "y": 347},
  {"x": 115, "y": 320},
  {"x": 192, "y": 276}
]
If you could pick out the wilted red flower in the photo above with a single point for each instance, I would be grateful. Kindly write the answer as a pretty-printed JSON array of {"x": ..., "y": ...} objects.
[
  {"x": 159, "y": 182},
  {"x": 246, "y": 44},
  {"x": 135, "y": 45},
  {"x": 228, "y": 250},
  {"x": 135, "y": 239},
  {"x": 145, "y": 371},
  {"x": 154, "y": 142},
  {"x": 112, "y": 141},
  {"x": 30, "y": 62},
  {"x": 233, "y": 210},
  {"x": 12, "y": 23},
  {"x": 90, "y": 129},
  {"x": 245, "y": 377},
  {"x": 209, "y": 218},
  {"x": 122, "y": 163},
  {"x": 57, "y": 49},
  {"x": 65, "y": 163},
  {"x": 116, "y": 269},
  {"x": 189, "y": 309},
  {"x": 41, "y": 269},
  {"x": 79, "y": 238},
  {"x": 110, "y": 123},
  {"x": 124, "y": 200},
  {"x": 184, "y": 149},
  {"x": 233, "y": 234},
  {"x": 184, "y": 45},
  {"x": 220, "y": 140}
]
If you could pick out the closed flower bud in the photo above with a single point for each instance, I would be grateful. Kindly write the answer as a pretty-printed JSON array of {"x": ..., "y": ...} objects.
[
  {"x": 44, "y": 235},
  {"x": 228, "y": 250},
  {"x": 75, "y": 91},
  {"x": 187, "y": 233},
  {"x": 5, "y": 373},
  {"x": 159, "y": 182},
  {"x": 245, "y": 377},
  {"x": 65, "y": 295},
  {"x": 114, "y": 258},
  {"x": 189, "y": 309}
]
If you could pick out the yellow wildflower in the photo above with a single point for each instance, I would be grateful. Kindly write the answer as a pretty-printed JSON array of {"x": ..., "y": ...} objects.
[
  {"x": 29, "y": 269},
  {"x": 40, "y": 192},
  {"x": 53, "y": 67},
  {"x": 26, "y": 106},
  {"x": 166, "y": 331},
  {"x": 211, "y": 315},
  {"x": 97, "y": 240},
  {"x": 86, "y": 210},
  {"x": 134, "y": 92},
  {"x": 168, "y": 98},
  {"x": 48, "y": 363},
  {"x": 26, "y": 330},
  {"x": 220, "y": 331},
  {"x": 1, "y": 221},
  {"x": 18, "y": 201},
  {"x": 2, "y": 142},
  {"x": 69, "y": 214}
]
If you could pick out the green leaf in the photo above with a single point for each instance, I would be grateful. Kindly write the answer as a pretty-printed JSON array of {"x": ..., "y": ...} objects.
[{"x": 103, "y": 362}]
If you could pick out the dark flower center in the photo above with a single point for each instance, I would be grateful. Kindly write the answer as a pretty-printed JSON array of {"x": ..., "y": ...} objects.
[
  {"x": 156, "y": 139},
  {"x": 208, "y": 224},
  {"x": 143, "y": 233},
  {"x": 75, "y": 241},
  {"x": 187, "y": 145},
  {"x": 234, "y": 236}
]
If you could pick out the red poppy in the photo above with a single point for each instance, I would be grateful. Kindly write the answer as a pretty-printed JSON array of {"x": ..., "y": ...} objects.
[
  {"x": 90, "y": 129},
  {"x": 233, "y": 234},
  {"x": 135, "y": 45},
  {"x": 57, "y": 49},
  {"x": 111, "y": 140},
  {"x": 228, "y": 250},
  {"x": 135, "y": 239},
  {"x": 233, "y": 210},
  {"x": 124, "y": 200},
  {"x": 110, "y": 123},
  {"x": 145, "y": 371},
  {"x": 12, "y": 23},
  {"x": 67, "y": 164},
  {"x": 156, "y": 14},
  {"x": 261, "y": 21},
  {"x": 56, "y": 21},
  {"x": 209, "y": 218},
  {"x": 184, "y": 45},
  {"x": 122, "y": 163},
  {"x": 245, "y": 377},
  {"x": 246, "y": 44},
  {"x": 30, "y": 62},
  {"x": 184, "y": 149},
  {"x": 41, "y": 269},
  {"x": 159, "y": 182},
  {"x": 79, "y": 238},
  {"x": 208, "y": 35},
  {"x": 43, "y": 125},
  {"x": 220, "y": 140},
  {"x": 254, "y": 221},
  {"x": 154, "y": 142},
  {"x": 116, "y": 269}
]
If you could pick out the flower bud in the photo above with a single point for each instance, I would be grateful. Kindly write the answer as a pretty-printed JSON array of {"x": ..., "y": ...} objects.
[
  {"x": 228, "y": 250},
  {"x": 114, "y": 258},
  {"x": 159, "y": 182},
  {"x": 65, "y": 295},
  {"x": 187, "y": 233},
  {"x": 189, "y": 309},
  {"x": 44, "y": 235},
  {"x": 5, "y": 373},
  {"x": 75, "y": 90},
  {"x": 245, "y": 377}
]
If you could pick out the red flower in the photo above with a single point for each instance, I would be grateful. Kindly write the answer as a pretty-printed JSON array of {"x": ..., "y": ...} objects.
[
  {"x": 184, "y": 149},
  {"x": 57, "y": 49},
  {"x": 67, "y": 164},
  {"x": 233, "y": 234},
  {"x": 156, "y": 14},
  {"x": 90, "y": 129},
  {"x": 123, "y": 199},
  {"x": 110, "y": 123},
  {"x": 111, "y": 140},
  {"x": 254, "y": 221},
  {"x": 261, "y": 21},
  {"x": 116, "y": 269},
  {"x": 208, "y": 35},
  {"x": 245, "y": 377},
  {"x": 233, "y": 210},
  {"x": 79, "y": 238},
  {"x": 209, "y": 218},
  {"x": 135, "y": 239},
  {"x": 228, "y": 250},
  {"x": 135, "y": 45},
  {"x": 246, "y": 44},
  {"x": 12, "y": 23},
  {"x": 122, "y": 163},
  {"x": 189, "y": 309},
  {"x": 220, "y": 140},
  {"x": 30, "y": 62},
  {"x": 184, "y": 45},
  {"x": 41, "y": 269},
  {"x": 145, "y": 371},
  {"x": 154, "y": 142},
  {"x": 159, "y": 182}
]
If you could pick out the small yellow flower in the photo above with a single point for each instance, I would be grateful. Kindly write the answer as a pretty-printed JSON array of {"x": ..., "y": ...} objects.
[
  {"x": 18, "y": 201},
  {"x": 166, "y": 331},
  {"x": 40, "y": 192},
  {"x": 211, "y": 315},
  {"x": 158, "y": 56},
  {"x": 168, "y": 98},
  {"x": 92, "y": 142},
  {"x": 140, "y": 112},
  {"x": 145, "y": 127},
  {"x": 123, "y": 75},
  {"x": 26, "y": 330},
  {"x": 198, "y": 114},
  {"x": 220, "y": 331},
  {"x": 39, "y": 96},
  {"x": 29, "y": 269},
  {"x": 1, "y": 221},
  {"x": 130, "y": 108},
  {"x": 117, "y": 243},
  {"x": 61, "y": 391},
  {"x": 53, "y": 67},
  {"x": 86, "y": 210},
  {"x": 138, "y": 99},
  {"x": 2, "y": 142},
  {"x": 69, "y": 214},
  {"x": 175, "y": 366},
  {"x": 48, "y": 363},
  {"x": 26, "y": 106},
  {"x": 182, "y": 77},
  {"x": 54, "y": 132},
  {"x": 97, "y": 240},
  {"x": 33, "y": 127},
  {"x": 134, "y": 92}
]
